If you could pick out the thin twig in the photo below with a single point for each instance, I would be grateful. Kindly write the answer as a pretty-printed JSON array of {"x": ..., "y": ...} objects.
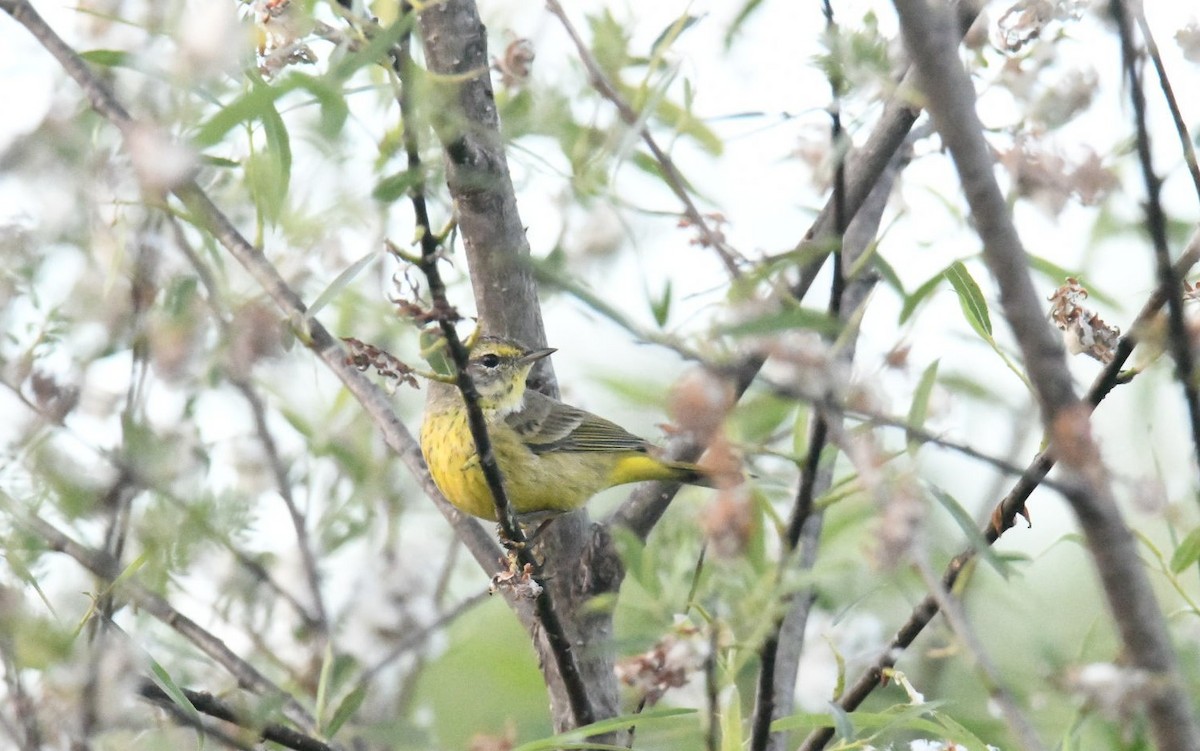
[
  {"x": 206, "y": 703},
  {"x": 319, "y": 618},
  {"x": 1181, "y": 129},
  {"x": 780, "y": 652},
  {"x": 377, "y": 404},
  {"x": 671, "y": 175},
  {"x": 1156, "y": 223},
  {"x": 989, "y": 675},
  {"x": 866, "y": 165}
]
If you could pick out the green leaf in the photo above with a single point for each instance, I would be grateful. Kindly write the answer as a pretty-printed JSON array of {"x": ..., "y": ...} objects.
[
  {"x": 919, "y": 294},
  {"x": 574, "y": 738},
  {"x": 249, "y": 107},
  {"x": 661, "y": 308},
  {"x": 330, "y": 98},
  {"x": 376, "y": 50},
  {"x": 346, "y": 709},
  {"x": 970, "y": 297},
  {"x": 1188, "y": 552},
  {"x": 341, "y": 282},
  {"x": 739, "y": 20},
  {"x": 106, "y": 58},
  {"x": 787, "y": 320},
  {"x": 971, "y": 531},
  {"x": 920, "y": 405},
  {"x": 395, "y": 186},
  {"x": 172, "y": 689},
  {"x": 673, "y": 31}
]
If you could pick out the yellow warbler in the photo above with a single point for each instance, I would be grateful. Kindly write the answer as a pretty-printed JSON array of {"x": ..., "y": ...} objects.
[{"x": 553, "y": 456}]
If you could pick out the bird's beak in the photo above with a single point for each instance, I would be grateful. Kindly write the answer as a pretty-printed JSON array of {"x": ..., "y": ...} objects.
[{"x": 538, "y": 354}]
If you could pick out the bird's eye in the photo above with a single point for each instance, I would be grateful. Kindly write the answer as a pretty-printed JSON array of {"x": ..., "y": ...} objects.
[{"x": 489, "y": 361}]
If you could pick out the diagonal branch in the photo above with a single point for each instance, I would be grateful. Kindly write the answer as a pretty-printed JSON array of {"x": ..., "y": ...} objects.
[
  {"x": 105, "y": 566},
  {"x": 208, "y": 704}
]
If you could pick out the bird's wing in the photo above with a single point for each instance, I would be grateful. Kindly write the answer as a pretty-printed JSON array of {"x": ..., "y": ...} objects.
[{"x": 547, "y": 425}]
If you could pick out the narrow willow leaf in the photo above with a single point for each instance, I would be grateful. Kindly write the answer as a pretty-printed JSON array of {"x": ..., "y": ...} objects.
[
  {"x": 919, "y": 409},
  {"x": 1187, "y": 553},
  {"x": 919, "y": 294},
  {"x": 971, "y": 531},
  {"x": 970, "y": 297},
  {"x": 341, "y": 282},
  {"x": 346, "y": 709},
  {"x": 573, "y": 738},
  {"x": 786, "y": 320}
]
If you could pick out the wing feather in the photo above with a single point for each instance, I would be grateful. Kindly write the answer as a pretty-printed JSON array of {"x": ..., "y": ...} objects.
[{"x": 547, "y": 425}]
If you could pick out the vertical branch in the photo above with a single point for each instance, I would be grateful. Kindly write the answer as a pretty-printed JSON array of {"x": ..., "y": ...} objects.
[
  {"x": 1156, "y": 223},
  {"x": 951, "y": 100},
  {"x": 560, "y": 645},
  {"x": 467, "y": 124}
]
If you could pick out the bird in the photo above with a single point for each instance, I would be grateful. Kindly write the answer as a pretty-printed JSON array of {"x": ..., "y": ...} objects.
[{"x": 553, "y": 457}]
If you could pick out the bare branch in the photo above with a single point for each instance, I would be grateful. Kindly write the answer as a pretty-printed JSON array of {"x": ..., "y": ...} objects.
[
  {"x": 1156, "y": 223},
  {"x": 206, "y": 703},
  {"x": 1181, "y": 129}
]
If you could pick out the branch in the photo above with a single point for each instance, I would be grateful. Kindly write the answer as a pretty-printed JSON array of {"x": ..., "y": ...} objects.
[
  {"x": 646, "y": 505},
  {"x": 208, "y": 704},
  {"x": 1185, "y": 138},
  {"x": 377, "y": 404},
  {"x": 781, "y": 649},
  {"x": 319, "y": 618},
  {"x": 1178, "y": 337},
  {"x": 998, "y": 694},
  {"x": 560, "y": 644}
]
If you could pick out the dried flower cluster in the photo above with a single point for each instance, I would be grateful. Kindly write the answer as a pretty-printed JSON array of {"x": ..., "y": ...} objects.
[
  {"x": 516, "y": 64},
  {"x": 699, "y": 404},
  {"x": 1049, "y": 179},
  {"x": 1083, "y": 329},
  {"x": 364, "y": 356},
  {"x": 669, "y": 664},
  {"x": 1026, "y": 20},
  {"x": 517, "y": 581},
  {"x": 281, "y": 27}
]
